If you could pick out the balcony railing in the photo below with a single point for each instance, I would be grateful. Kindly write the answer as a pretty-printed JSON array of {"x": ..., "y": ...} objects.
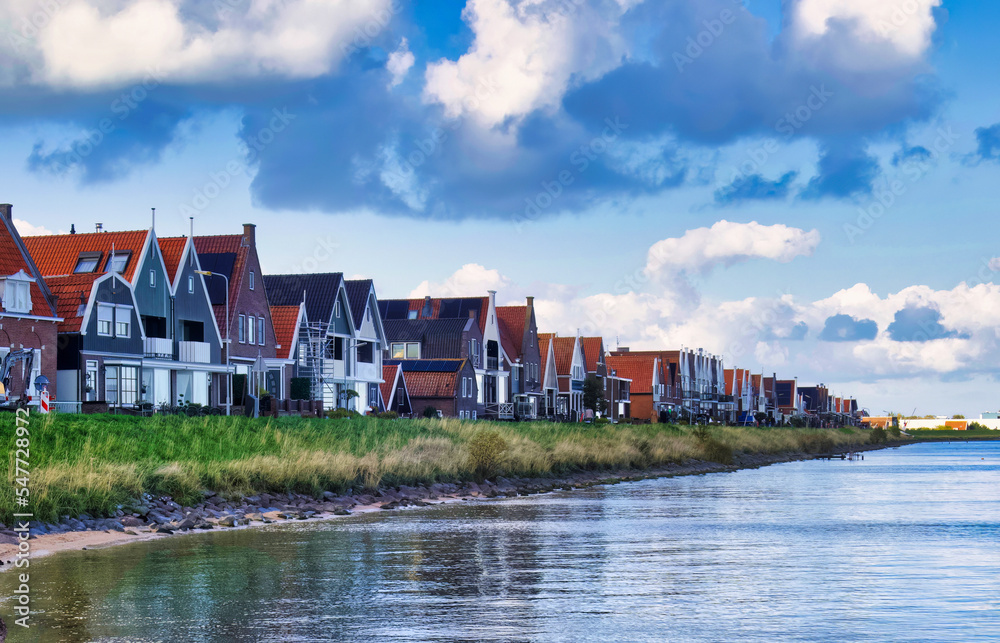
[
  {"x": 196, "y": 352},
  {"x": 158, "y": 347},
  {"x": 506, "y": 411},
  {"x": 492, "y": 363}
]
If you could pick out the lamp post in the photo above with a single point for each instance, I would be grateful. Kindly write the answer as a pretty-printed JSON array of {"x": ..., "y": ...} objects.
[{"x": 229, "y": 323}]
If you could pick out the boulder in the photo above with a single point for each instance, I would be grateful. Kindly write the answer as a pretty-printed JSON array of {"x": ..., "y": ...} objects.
[{"x": 227, "y": 521}]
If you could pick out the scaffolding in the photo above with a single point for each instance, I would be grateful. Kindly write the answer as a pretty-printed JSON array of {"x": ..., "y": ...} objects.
[{"x": 316, "y": 362}]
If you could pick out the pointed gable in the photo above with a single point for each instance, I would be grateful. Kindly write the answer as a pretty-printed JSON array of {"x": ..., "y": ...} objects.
[
  {"x": 15, "y": 259},
  {"x": 319, "y": 291},
  {"x": 287, "y": 320},
  {"x": 172, "y": 249},
  {"x": 593, "y": 352}
]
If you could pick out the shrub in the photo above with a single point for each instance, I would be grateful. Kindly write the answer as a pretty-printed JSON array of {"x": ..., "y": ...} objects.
[
  {"x": 602, "y": 421},
  {"x": 877, "y": 435},
  {"x": 388, "y": 415},
  {"x": 301, "y": 389},
  {"x": 430, "y": 412},
  {"x": 486, "y": 448},
  {"x": 976, "y": 426},
  {"x": 340, "y": 414}
]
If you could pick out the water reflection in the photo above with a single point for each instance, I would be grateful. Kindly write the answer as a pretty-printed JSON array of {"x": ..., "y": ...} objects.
[{"x": 901, "y": 546}]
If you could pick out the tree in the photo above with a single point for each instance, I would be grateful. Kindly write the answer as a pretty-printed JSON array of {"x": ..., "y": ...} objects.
[
  {"x": 593, "y": 395},
  {"x": 958, "y": 417}
]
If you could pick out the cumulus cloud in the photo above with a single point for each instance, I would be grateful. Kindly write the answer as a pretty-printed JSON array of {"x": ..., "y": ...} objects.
[
  {"x": 531, "y": 50},
  {"x": 97, "y": 43},
  {"x": 471, "y": 280},
  {"x": 399, "y": 63},
  {"x": 919, "y": 324},
  {"x": 727, "y": 243},
  {"x": 26, "y": 229}
]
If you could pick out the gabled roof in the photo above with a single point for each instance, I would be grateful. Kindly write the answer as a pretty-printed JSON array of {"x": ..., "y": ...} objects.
[
  {"x": 73, "y": 292},
  {"x": 14, "y": 257},
  {"x": 286, "y": 321},
  {"x": 563, "y": 350},
  {"x": 439, "y": 338},
  {"x": 57, "y": 255},
  {"x": 319, "y": 289},
  {"x": 437, "y": 308},
  {"x": 388, "y": 386},
  {"x": 430, "y": 377},
  {"x": 226, "y": 254},
  {"x": 172, "y": 249},
  {"x": 357, "y": 298},
  {"x": 592, "y": 348},
  {"x": 512, "y": 321},
  {"x": 640, "y": 369}
]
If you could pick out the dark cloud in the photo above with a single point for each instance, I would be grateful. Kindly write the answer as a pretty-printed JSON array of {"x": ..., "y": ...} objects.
[
  {"x": 917, "y": 153},
  {"x": 353, "y": 143},
  {"x": 844, "y": 328},
  {"x": 987, "y": 144},
  {"x": 919, "y": 324},
  {"x": 755, "y": 188},
  {"x": 845, "y": 170}
]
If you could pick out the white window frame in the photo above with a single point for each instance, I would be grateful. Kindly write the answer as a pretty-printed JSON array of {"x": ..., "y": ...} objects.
[
  {"x": 336, "y": 309},
  {"x": 122, "y": 257},
  {"x": 410, "y": 345},
  {"x": 251, "y": 330},
  {"x": 126, "y": 312},
  {"x": 260, "y": 331},
  {"x": 105, "y": 315},
  {"x": 152, "y": 279},
  {"x": 17, "y": 293},
  {"x": 190, "y": 284},
  {"x": 241, "y": 329},
  {"x": 251, "y": 280},
  {"x": 473, "y": 415}
]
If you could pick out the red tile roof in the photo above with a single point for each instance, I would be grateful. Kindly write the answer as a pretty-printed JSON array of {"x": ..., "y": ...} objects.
[
  {"x": 388, "y": 385},
  {"x": 563, "y": 348},
  {"x": 12, "y": 261},
  {"x": 511, "y": 320},
  {"x": 638, "y": 368},
  {"x": 57, "y": 255},
  {"x": 591, "y": 351},
  {"x": 543, "y": 350},
  {"x": 432, "y": 384},
  {"x": 286, "y": 327},
  {"x": 73, "y": 292},
  {"x": 172, "y": 249}
]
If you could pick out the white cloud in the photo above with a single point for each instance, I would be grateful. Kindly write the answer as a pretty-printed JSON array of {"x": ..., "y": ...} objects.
[
  {"x": 531, "y": 51},
  {"x": 26, "y": 229},
  {"x": 399, "y": 63},
  {"x": 905, "y": 27},
  {"x": 471, "y": 280},
  {"x": 95, "y": 43},
  {"x": 401, "y": 177},
  {"x": 727, "y": 243}
]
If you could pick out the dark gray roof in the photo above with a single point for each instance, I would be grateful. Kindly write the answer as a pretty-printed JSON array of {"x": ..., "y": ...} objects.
[
  {"x": 439, "y": 338},
  {"x": 357, "y": 298},
  {"x": 320, "y": 293},
  {"x": 427, "y": 365}
]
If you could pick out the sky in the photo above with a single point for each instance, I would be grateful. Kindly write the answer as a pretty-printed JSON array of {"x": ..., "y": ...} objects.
[{"x": 804, "y": 187}]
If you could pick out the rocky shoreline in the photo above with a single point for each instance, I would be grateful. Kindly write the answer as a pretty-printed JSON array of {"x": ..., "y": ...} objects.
[{"x": 160, "y": 516}]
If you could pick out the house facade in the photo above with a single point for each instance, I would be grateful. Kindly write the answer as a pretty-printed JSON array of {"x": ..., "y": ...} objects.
[
  {"x": 368, "y": 343},
  {"x": 489, "y": 360},
  {"x": 519, "y": 339},
  {"x": 28, "y": 314},
  {"x": 549, "y": 408},
  {"x": 571, "y": 371},
  {"x": 395, "y": 395},
  {"x": 446, "y": 385},
  {"x": 647, "y": 391}
]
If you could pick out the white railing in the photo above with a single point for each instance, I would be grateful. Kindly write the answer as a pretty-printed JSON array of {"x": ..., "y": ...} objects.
[
  {"x": 159, "y": 347},
  {"x": 506, "y": 411},
  {"x": 196, "y": 352}
]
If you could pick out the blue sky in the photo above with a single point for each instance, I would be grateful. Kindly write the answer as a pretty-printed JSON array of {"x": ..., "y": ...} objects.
[{"x": 705, "y": 173}]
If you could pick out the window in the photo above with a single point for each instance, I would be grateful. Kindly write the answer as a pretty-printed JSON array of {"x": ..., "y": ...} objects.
[
  {"x": 190, "y": 284},
  {"x": 87, "y": 262},
  {"x": 152, "y": 279},
  {"x": 105, "y": 319},
  {"x": 398, "y": 350},
  {"x": 413, "y": 351},
  {"x": 251, "y": 280},
  {"x": 260, "y": 330},
  {"x": 366, "y": 354},
  {"x": 465, "y": 387},
  {"x": 123, "y": 321},
  {"x": 17, "y": 294},
  {"x": 411, "y": 315},
  {"x": 242, "y": 333},
  {"x": 405, "y": 350},
  {"x": 338, "y": 348},
  {"x": 336, "y": 309},
  {"x": 118, "y": 262},
  {"x": 251, "y": 330}
]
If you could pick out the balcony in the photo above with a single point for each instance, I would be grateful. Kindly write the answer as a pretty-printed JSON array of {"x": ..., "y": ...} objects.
[
  {"x": 158, "y": 348},
  {"x": 194, "y": 352}
]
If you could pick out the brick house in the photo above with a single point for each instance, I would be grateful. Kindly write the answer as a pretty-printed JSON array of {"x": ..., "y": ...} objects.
[
  {"x": 646, "y": 387},
  {"x": 519, "y": 338},
  {"x": 570, "y": 366},
  {"x": 28, "y": 312}
]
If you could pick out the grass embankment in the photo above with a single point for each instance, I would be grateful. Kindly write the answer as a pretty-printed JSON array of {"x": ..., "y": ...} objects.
[
  {"x": 945, "y": 435},
  {"x": 92, "y": 464}
]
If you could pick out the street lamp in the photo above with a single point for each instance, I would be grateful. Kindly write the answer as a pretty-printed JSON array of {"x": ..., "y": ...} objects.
[{"x": 229, "y": 323}]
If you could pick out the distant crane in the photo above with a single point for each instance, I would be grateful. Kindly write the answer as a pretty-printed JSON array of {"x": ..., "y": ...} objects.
[{"x": 27, "y": 357}]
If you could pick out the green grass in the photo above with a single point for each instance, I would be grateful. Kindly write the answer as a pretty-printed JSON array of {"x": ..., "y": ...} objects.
[
  {"x": 93, "y": 464},
  {"x": 941, "y": 434}
]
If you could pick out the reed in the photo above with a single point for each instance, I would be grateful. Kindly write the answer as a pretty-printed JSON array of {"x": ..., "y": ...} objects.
[{"x": 95, "y": 464}]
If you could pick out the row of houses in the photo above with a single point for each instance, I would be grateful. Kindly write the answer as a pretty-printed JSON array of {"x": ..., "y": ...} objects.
[{"x": 127, "y": 319}]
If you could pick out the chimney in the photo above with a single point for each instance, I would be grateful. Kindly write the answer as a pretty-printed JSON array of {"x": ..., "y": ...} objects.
[
  {"x": 249, "y": 234},
  {"x": 472, "y": 315},
  {"x": 98, "y": 227},
  {"x": 531, "y": 302},
  {"x": 72, "y": 228},
  {"x": 5, "y": 211},
  {"x": 427, "y": 310},
  {"x": 493, "y": 298}
]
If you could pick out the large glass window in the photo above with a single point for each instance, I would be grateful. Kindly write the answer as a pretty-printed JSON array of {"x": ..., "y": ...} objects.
[
  {"x": 87, "y": 262},
  {"x": 251, "y": 329},
  {"x": 118, "y": 262}
]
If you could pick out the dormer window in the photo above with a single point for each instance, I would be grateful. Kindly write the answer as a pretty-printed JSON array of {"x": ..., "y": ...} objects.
[
  {"x": 118, "y": 261},
  {"x": 87, "y": 262},
  {"x": 16, "y": 291}
]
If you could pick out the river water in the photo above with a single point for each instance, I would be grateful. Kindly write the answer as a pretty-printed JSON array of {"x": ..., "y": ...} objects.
[{"x": 903, "y": 546}]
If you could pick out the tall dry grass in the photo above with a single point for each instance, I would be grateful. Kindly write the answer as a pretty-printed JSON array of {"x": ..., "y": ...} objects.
[{"x": 94, "y": 464}]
